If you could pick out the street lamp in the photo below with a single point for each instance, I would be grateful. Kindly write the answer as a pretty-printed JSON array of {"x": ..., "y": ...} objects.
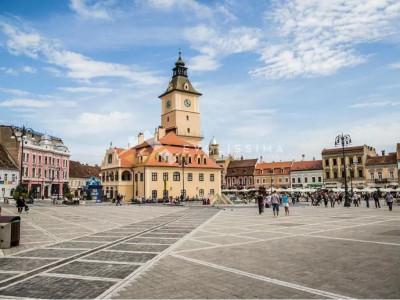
[
  {"x": 271, "y": 172},
  {"x": 24, "y": 131},
  {"x": 344, "y": 140},
  {"x": 352, "y": 167},
  {"x": 183, "y": 164}
]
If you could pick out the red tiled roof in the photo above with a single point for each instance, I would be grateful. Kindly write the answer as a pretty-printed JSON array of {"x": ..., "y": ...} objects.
[
  {"x": 306, "y": 165},
  {"x": 170, "y": 145},
  {"x": 127, "y": 157},
  {"x": 398, "y": 151},
  {"x": 339, "y": 149},
  {"x": 241, "y": 167},
  {"x": 390, "y": 159},
  {"x": 6, "y": 161},
  {"x": 264, "y": 168},
  {"x": 77, "y": 170}
]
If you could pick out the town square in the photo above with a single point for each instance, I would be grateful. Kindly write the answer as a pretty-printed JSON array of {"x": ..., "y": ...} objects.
[{"x": 189, "y": 149}]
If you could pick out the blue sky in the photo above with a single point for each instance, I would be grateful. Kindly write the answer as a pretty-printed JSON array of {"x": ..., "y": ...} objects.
[{"x": 286, "y": 75}]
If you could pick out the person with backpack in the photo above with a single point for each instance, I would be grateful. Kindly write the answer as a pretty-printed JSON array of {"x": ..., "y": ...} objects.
[
  {"x": 389, "y": 200},
  {"x": 376, "y": 199},
  {"x": 20, "y": 204}
]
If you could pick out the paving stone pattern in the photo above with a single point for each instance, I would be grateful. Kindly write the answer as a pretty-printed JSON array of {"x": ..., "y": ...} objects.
[{"x": 102, "y": 258}]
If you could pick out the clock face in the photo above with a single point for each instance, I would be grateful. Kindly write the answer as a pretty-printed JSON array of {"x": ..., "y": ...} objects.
[
  {"x": 168, "y": 104},
  {"x": 187, "y": 102}
]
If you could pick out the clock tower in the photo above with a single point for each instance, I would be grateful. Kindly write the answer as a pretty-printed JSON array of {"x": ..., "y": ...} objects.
[{"x": 180, "y": 106}]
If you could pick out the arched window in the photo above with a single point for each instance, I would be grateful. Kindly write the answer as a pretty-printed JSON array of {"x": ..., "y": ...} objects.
[
  {"x": 177, "y": 176},
  {"x": 110, "y": 159},
  {"x": 126, "y": 176}
]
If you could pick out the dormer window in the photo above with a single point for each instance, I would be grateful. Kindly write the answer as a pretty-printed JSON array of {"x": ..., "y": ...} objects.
[
  {"x": 282, "y": 171},
  {"x": 190, "y": 159},
  {"x": 159, "y": 158},
  {"x": 186, "y": 86},
  {"x": 166, "y": 158},
  {"x": 198, "y": 160},
  {"x": 177, "y": 159}
]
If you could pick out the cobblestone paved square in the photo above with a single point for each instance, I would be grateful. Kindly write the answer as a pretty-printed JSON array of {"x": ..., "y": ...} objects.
[{"x": 226, "y": 253}]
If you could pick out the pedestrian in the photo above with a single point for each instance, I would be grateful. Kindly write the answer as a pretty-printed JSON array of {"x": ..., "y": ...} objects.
[
  {"x": 332, "y": 199},
  {"x": 367, "y": 196},
  {"x": 260, "y": 201},
  {"x": 20, "y": 204},
  {"x": 275, "y": 204},
  {"x": 118, "y": 202},
  {"x": 356, "y": 199},
  {"x": 268, "y": 201},
  {"x": 325, "y": 200},
  {"x": 389, "y": 200},
  {"x": 285, "y": 202},
  {"x": 376, "y": 199}
]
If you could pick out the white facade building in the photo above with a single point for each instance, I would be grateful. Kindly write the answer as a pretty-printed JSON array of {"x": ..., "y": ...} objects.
[
  {"x": 9, "y": 174},
  {"x": 306, "y": 174}
]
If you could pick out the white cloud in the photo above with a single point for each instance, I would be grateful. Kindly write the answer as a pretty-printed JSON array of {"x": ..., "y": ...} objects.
[
  {"x": 53, "y": 71},
  {"x": 79, "y": 66},
  {"x": 9, "y": 71},
  {"x": 35, "y": 103},
  {"x": 25, "y": 103},
  {"x": 395, "y": 65},
  {"x": 85, "y": 10},
  {"x": 15, "y": 92},
  {"x": 85, "y": 89},
  {"x": 28, "y": 69},
  {"x": 215, "y": 45},
  {"x": 110, "y": 122},
  {"x": 313, "y": 37},
  {"x": 375, "y": 104},
  {"x": 191, "y": 6}
]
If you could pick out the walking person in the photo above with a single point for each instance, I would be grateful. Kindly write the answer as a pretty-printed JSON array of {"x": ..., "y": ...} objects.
[
  {"x": 275, "y": 204},
  {"x": 119, "y": 197},
  {"x": 332, "y": 199},
  {"x": 325, "y": 200},
  {"x": 389, "y": 200},
  {"x": 268, "y": 201},
  {"x": 376, "y": 199},
  {"x": 285, "y": 201},
  {"x": 356, "y": 200},
  {"x": 260, "y": 200},
  {"x": 367, "y": 200},
  {"x": 20, "y": 204}
]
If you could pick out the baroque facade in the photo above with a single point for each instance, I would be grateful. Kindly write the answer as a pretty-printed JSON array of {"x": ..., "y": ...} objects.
[
  {"x": 172, "y": 163},
  {"x": 333, "y": 166},
  {"x": 382, "y": 171}
]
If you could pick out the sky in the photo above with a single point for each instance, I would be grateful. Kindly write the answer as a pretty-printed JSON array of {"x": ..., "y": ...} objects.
[{"x": 279, "y": 78}]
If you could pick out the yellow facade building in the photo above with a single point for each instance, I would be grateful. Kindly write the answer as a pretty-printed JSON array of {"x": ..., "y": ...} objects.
[{"x": 172, "y": 163}]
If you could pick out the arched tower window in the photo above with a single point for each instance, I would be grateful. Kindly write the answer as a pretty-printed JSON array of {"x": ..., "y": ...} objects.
[{"x": 110, "y": 159}]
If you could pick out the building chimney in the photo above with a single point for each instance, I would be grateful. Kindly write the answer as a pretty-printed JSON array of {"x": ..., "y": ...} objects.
[
  {"x": 140, "y": 138},
  {"x": 261, "y": 159},
  {"x": 241, "y": 157},
  {"x": 161, "y": 132},
  {"x": 302, "y": 157},
  {"x": 383, "y": 152},
  {"x": 129, "y": 145}
]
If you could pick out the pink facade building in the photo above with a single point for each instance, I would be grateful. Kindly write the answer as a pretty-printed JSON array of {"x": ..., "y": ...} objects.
[{"x": 45, "y": 164}]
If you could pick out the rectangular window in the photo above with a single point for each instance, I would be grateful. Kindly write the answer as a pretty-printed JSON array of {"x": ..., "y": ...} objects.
[
  {"x": 198, "y": 161},
  {"x": 212, "y": 192},
  {"x": 280, "y": 180},
  {"x": 335, "y": 175},
  {"x": 306, "y": 179},
  {"x": 327, "y": 175},
  {"x": 45, "y": 173},
  {"x": 334, "y": 162},
  {"x": 58, "y": 162},
  {"x": 298, "y": 180},
  {"x": 272, "y": 180},
  {"x": 359, "y": 160},
  {"x": 190, "y": 159},
  {"x": 40, "y": 160},
  {"x": 34, "y": 158},
  {"x": 293, "y": 180},
  {"x": 351, "y": 173},
  {"x": 201, "y": 176},
  {"x": 165, "y": 176},
  {"x": 343, "y": 174},
  {"x": 380, "y": 175},
  {"x": 326, "y": 162},
  {"x": 53, "y": 161},
  {"x": 258, "y": 181},
  {"x": 13, "y": 177},
  {"x": 391, "y": 175},
  {"x": 188, "y": 130},
  {"x": 342, "y": 161},
  {"x": 40, "y": 173},
  {"x": 205, "y": 161},
  {"x": 351, "y": 160},
  {"x": 154, "y": 176},
  {"x": 264, "y": 180},
  {"x": 141, "y": 176},
  {"x": 27, "y": 157},
  {"x": 286, "y": 180},
  {"x": 136, "y": 177},
  {"x": 313, "y": 179},
  {"x": 190, "y": 177},
  {"x": 371, "y": 175},
  {"x": 211, "y": 177},
  {"x": 5, "y": 177},
  {"x": 360, "y": 173},
  {"x": 33, "y": 172},
  {"x": 319, "y": 179}
]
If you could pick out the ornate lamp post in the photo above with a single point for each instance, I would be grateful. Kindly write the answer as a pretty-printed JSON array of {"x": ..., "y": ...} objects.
[
  {"x": 270, "y": 174},
  {"x": 183, "y": 164},
  {"x": 344, "y": 140},
  {"x": 352, "y": 167},
  {"x": 24, "y": 131}
]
